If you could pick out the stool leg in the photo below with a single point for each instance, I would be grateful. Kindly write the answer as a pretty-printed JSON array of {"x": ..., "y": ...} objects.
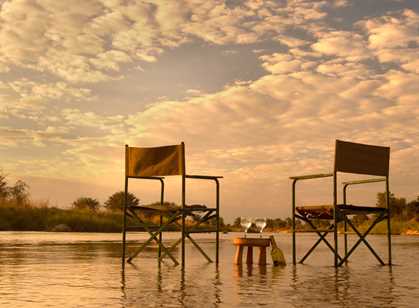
[
  {"x": 262, "y": 256},
  {"x": 249, "y": 259},
  {"x": 239, "y": 255}
]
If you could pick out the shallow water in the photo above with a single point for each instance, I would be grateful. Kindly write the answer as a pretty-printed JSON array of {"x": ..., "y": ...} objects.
[{"x": 40, "y": 269}]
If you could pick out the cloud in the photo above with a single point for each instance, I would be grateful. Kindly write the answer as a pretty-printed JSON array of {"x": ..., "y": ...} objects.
[
  {"x": 90, "y": 41},
  {"x": 349, "y": 45},
  {"x": 321, "y": 82},
  {"x": 394, "y": 38}
]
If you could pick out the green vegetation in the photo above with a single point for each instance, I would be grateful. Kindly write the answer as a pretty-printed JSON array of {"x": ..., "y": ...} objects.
[
  {"x": 45, "y": 218},
  {"x": 404, "y": 219},
  {"x": 115, "y": 202},
  {"x": 18, "y": 212}
]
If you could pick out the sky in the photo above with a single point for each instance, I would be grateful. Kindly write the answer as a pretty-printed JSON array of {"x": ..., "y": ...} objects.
[{"x": 258, "y": 91}]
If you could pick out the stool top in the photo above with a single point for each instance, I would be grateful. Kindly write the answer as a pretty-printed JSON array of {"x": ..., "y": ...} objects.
[{"x": 246, "y": 241}]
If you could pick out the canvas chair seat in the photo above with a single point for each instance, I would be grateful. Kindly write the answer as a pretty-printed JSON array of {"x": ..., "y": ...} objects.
[
  {"x": 326, "y": 211},
  {"x": 350, "y": 209},
  {"x": 168, "y": 208},
  {"x": 316, "y": 211}
]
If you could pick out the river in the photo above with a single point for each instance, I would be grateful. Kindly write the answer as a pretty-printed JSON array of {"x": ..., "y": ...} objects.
[{"x": 47, "y": 269}]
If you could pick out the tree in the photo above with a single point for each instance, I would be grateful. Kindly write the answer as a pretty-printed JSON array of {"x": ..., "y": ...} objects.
[
  {"x": 86, "y": 203},
  {"x": 236, "y": 222},
  {"x": 412, "y": 209},
  {"x": 397, "y": 205},
  {"x": 116, "y": 201},
  {"x": 19, "y": 193},
  {"x": 4, "y": 190},
  {"x": 359, "y": 219}
]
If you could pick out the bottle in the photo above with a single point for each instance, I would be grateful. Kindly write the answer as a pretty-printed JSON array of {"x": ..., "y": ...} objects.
[{"x": 276, "y": 253}]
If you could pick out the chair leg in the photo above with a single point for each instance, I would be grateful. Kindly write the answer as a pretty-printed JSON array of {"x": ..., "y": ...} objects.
[
  {"x": 346, "y": 238},
  {"x": 201, "y": 220},
  {"x": 160, "y": 237},
  {"x": 389, "y": 239},
  {"x": 322, "y": 238},
  {"x": 294, "y": 252},
  {"x": 217, "y": 239},
  {"x": 362, "y": 239},
  {"x": 124, "y": 223},
  {"x": 335, "y": 236},
  {"x": 199, "y": 248},
  {"x": 153, "y": 236}
]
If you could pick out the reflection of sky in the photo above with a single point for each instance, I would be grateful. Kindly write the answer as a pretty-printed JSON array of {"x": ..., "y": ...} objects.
[
  {"x": 258, "y": 92},
  {"x": 52, "y": 268}
]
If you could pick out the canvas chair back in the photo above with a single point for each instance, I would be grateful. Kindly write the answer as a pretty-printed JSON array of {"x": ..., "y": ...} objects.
[
  {"x": 155, "y": 161},
  {"x": 361, "y": 158}
]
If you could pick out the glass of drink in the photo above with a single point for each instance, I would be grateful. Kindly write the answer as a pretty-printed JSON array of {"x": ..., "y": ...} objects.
[
  {"x": 245, "y": 222},
  {"x": 260, "y": 223}
]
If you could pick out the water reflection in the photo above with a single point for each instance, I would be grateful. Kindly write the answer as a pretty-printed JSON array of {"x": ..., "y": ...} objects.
[
  {"x": 344, "y": 286},
  {"x": 79, "y": 271}
]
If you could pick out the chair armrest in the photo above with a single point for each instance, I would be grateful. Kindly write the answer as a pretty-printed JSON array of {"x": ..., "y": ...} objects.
[
  {"x": 146, "y": 177},
  {"x": 363, "y": 181},
  {"x": 311, "y": 176},
  {"x": 203, "y": 177}
]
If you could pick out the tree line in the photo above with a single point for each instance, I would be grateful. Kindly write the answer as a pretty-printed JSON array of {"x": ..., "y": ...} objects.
[{"x": 400, "y": 209}]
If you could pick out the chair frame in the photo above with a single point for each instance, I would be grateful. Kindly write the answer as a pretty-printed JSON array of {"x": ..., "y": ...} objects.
[
  {"x": 339, "y": 215},
  {"x": 182, "y": 213}
]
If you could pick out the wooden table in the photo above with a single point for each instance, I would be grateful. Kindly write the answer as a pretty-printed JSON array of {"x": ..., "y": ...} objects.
[{"x": 241, "y": 242}]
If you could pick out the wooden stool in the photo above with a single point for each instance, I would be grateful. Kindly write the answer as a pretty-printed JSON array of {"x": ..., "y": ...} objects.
[{"x": 241, "y": 242}]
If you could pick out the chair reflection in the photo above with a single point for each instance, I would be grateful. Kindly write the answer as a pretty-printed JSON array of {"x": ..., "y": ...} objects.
[
  {"x": 344, "y": 286},
  {"x": 171, "y": 286}
]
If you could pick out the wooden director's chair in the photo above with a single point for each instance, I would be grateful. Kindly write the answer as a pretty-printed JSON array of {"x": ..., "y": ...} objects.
[
  {"x": 349, "y": 158},
  {"x": 153, "y": 163}
]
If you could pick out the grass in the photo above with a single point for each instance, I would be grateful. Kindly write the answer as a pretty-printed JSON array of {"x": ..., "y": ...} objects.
[
  {"x": 44, "y": 218},
  {"x": 48, "y": 218},
  {"x": 397, "y": 227}
]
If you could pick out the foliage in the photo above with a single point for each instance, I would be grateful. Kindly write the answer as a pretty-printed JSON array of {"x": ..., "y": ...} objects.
[
  {"x": 4, "y": 191},
  {"x": 116, "y": 201},
  {"x": 86, "y": 203},
  {"x": 47, "y": 218},
  {"x": 17, "y": 194},
  {"x": 397, "y": 205}
]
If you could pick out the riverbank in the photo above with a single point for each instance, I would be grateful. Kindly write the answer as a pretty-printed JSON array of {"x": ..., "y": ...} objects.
[
  {"x": 30, "y": 218},
  {"x": 56, "y": 219}
]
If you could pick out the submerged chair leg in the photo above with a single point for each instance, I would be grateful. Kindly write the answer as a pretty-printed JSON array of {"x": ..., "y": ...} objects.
[
  {"x": 362, "y": 239},
  {"x": 294, "y": 256},
  {"x": 322, "y": 237},
  {"x": 217, "y": 238},
  {"x": 199, "y": 248},
  {"x": 124, "y": 222},
  {"x": 388, "y": 221},
  {"x": 346, "y": 238},
  {"x": 154, "y": 236}
]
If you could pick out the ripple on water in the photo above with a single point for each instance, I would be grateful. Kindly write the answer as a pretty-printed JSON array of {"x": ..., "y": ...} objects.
[{"x": 49, "y": 269}]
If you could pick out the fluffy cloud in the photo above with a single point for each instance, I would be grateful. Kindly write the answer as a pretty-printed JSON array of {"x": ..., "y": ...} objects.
[
  {"x": 351, "y": 46},
  {"x": 320, "y": 83},
  {"x": 89, "y": 41}
]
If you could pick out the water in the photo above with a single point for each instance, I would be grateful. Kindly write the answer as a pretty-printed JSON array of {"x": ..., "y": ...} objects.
[{"x": 74, "y": 269}]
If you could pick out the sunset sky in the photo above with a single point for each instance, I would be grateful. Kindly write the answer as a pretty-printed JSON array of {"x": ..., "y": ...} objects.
[{"x": 257, "y": 90}]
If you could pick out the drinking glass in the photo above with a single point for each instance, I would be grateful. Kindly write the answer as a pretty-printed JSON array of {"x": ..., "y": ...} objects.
[
  {"x": 260, "y": 224},
  {"x": 245, "y": 222}
]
